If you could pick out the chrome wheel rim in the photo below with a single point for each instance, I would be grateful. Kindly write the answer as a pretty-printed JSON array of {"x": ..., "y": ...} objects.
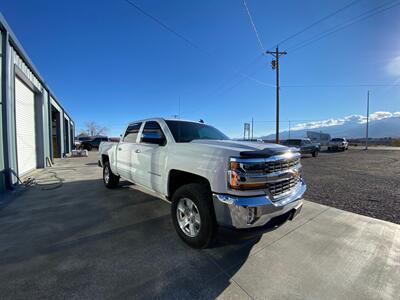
[
  {"x": 188, "y": 217},
  {"x": 106, "y": 175}
]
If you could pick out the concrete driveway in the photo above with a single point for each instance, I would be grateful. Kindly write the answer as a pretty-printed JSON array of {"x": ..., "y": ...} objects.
[{"x": 69, "y": 237}]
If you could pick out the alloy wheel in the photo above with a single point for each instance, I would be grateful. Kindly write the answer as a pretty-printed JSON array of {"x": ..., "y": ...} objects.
[{"x": 188, "y": 217}]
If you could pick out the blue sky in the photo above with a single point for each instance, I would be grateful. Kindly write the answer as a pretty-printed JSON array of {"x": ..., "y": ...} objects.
[{"x": 108, "y": 63}]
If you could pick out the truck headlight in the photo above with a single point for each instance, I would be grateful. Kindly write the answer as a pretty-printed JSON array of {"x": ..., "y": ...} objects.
[{"x": 242, "y": 174}]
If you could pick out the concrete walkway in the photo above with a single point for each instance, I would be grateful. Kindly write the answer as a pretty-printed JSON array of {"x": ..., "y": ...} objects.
[{"x": 69, "y": 237}]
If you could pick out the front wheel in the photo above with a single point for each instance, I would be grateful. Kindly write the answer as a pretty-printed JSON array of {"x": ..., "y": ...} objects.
[
  {"x": 193, "y": 215},
  {"x": 315, "y": 153},
  {"x": 109, "y": 178}
]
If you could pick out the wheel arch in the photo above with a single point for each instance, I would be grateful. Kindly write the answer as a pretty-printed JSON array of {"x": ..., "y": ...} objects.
[{"x": 178, "y": 178}]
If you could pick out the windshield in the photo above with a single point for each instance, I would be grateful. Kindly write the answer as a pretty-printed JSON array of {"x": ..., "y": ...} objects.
[
  {"x": 292, "y": 143},
  {"x": 337, "y": 140},
  {"x": 185, "y": 132}
]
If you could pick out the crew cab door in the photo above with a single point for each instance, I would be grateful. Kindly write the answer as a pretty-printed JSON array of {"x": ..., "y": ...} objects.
[
  {"x": 127, "y": 151},
  {"x": 151, "y": 156}
]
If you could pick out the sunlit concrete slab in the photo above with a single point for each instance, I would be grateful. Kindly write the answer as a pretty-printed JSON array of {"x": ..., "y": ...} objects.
[{"x": 336, "y": 255}]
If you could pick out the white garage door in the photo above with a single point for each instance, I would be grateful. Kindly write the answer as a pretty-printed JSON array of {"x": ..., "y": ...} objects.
[{"x": 25, "y": 125}]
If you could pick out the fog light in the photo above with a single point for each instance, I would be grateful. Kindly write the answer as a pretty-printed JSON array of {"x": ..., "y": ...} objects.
[{"x": 251, "y": 215}]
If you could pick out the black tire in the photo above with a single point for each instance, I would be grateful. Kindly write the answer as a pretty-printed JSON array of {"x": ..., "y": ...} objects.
[
  {"x": 315, "y": 153},
  {"x": 329, "y": 148},
  {"x": 201, "y": 196},
  {"x": 112, "y": 180}
]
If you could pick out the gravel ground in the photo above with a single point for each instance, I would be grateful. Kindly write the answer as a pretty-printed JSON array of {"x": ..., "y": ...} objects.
[{"x": 363, "y": 182}]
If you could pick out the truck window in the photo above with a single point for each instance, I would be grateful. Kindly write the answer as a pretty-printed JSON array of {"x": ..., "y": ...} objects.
[
  {"x": 293, "y": 142},
  {"x": 185, "y": 132},
  {"x": 132, "y": 133},
  {"x": 153, "y": 127}
]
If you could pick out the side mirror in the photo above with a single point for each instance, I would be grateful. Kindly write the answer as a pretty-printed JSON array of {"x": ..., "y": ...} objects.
[{"x": 152, "y": 138}]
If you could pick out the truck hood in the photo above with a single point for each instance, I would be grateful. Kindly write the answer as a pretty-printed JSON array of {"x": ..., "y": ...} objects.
[{"x": 245, "y": 148}]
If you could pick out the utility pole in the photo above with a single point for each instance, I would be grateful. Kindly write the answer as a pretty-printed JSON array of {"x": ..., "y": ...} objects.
[
  {"x": 289, "y": 129},
  {"x": 366, "y": 130},
  {"x": 275, "y": 66},
  {"x": 252, "y": 127}
]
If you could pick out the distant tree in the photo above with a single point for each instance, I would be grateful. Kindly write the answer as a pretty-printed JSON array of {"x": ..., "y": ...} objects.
[
  {"x": 82, "y": 133},
  {"x": 95, "y": 129}
]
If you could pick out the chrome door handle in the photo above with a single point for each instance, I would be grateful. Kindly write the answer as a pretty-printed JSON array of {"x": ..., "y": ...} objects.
[{"x": 137, "y": 151}]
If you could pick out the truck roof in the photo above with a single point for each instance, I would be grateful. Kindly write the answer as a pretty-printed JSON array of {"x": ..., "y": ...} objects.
[{"x": 164, "y": 119}]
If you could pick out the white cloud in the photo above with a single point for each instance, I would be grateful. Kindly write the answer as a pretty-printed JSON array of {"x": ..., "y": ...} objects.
[
  {"x": 379, "y": 115},
  {"x": 359, "y": 119}
]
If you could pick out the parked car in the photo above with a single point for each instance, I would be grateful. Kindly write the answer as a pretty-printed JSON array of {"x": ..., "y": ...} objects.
[
  {"x": 210, "y": 180},
  {"x": 94, "y": 142},
  {"x": 304, "y": 145},
  {"x": 78, "y": 141},
  {"x": 338, "y": 144}
]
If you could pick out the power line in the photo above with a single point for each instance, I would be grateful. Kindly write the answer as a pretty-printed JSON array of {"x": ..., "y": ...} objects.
[
  {"x": 334, "y": 29},
  {"x": 224, "y": 91},
  {"x": 182, "y": 37},
  {"x": 166, "y": 27},
  {"x": 234, "y": 76},
  {"x": 339, "y": 85},
  {"x": 317, "y": 22},
  {"x": 254, "y": 26}
]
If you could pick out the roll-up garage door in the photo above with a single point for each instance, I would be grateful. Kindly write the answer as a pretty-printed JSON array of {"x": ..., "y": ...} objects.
[{"x": 25, "y": 127}]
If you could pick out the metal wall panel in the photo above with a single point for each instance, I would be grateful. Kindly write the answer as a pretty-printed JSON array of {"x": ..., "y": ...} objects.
[
  {"x": 15, "y": 62},
  {"x": 2, "y": 165}
]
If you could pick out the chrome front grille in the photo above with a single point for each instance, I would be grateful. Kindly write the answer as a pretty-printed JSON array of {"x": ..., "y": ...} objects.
[
  {"x": 281, "y": 187},
  {"x": 277, "y": 175},
  {"x": 280, "y": 165}
]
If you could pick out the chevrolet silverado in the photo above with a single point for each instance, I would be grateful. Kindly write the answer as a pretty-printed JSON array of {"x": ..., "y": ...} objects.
[{"x": 210, "y": 180}]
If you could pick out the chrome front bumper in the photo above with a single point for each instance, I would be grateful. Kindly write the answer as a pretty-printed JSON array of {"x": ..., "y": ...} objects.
[{"x": 250, "y": 212}]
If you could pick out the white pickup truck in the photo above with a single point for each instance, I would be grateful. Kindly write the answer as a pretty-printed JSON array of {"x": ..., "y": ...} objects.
[
  {"x": 210, "y": 180},
  {"x": 338, "y": 144}
]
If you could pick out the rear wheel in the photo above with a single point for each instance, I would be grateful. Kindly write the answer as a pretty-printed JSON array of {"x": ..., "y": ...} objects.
[
  {"x": 193, "y": 215},
  {"x": 109, "y": 178}
]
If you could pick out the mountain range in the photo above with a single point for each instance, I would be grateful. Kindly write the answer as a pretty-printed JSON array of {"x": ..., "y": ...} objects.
[{"x": 381, "y": 124}]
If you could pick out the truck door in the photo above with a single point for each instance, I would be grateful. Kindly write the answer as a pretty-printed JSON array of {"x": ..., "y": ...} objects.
[
  {"x": 127, "y": 150},
  {"x": 151, "y": 157}
]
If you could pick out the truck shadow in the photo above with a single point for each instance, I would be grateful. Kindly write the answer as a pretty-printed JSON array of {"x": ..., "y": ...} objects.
[{"x": 88, "y": 241}]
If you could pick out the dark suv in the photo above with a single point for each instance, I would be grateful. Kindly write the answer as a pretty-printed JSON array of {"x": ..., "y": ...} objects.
[
  {"x": 305, "y": 146},
  {"x": 94, "y": 142}
]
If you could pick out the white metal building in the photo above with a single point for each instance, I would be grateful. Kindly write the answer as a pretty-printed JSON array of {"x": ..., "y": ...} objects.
[{"x": 34, "y": 127}]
